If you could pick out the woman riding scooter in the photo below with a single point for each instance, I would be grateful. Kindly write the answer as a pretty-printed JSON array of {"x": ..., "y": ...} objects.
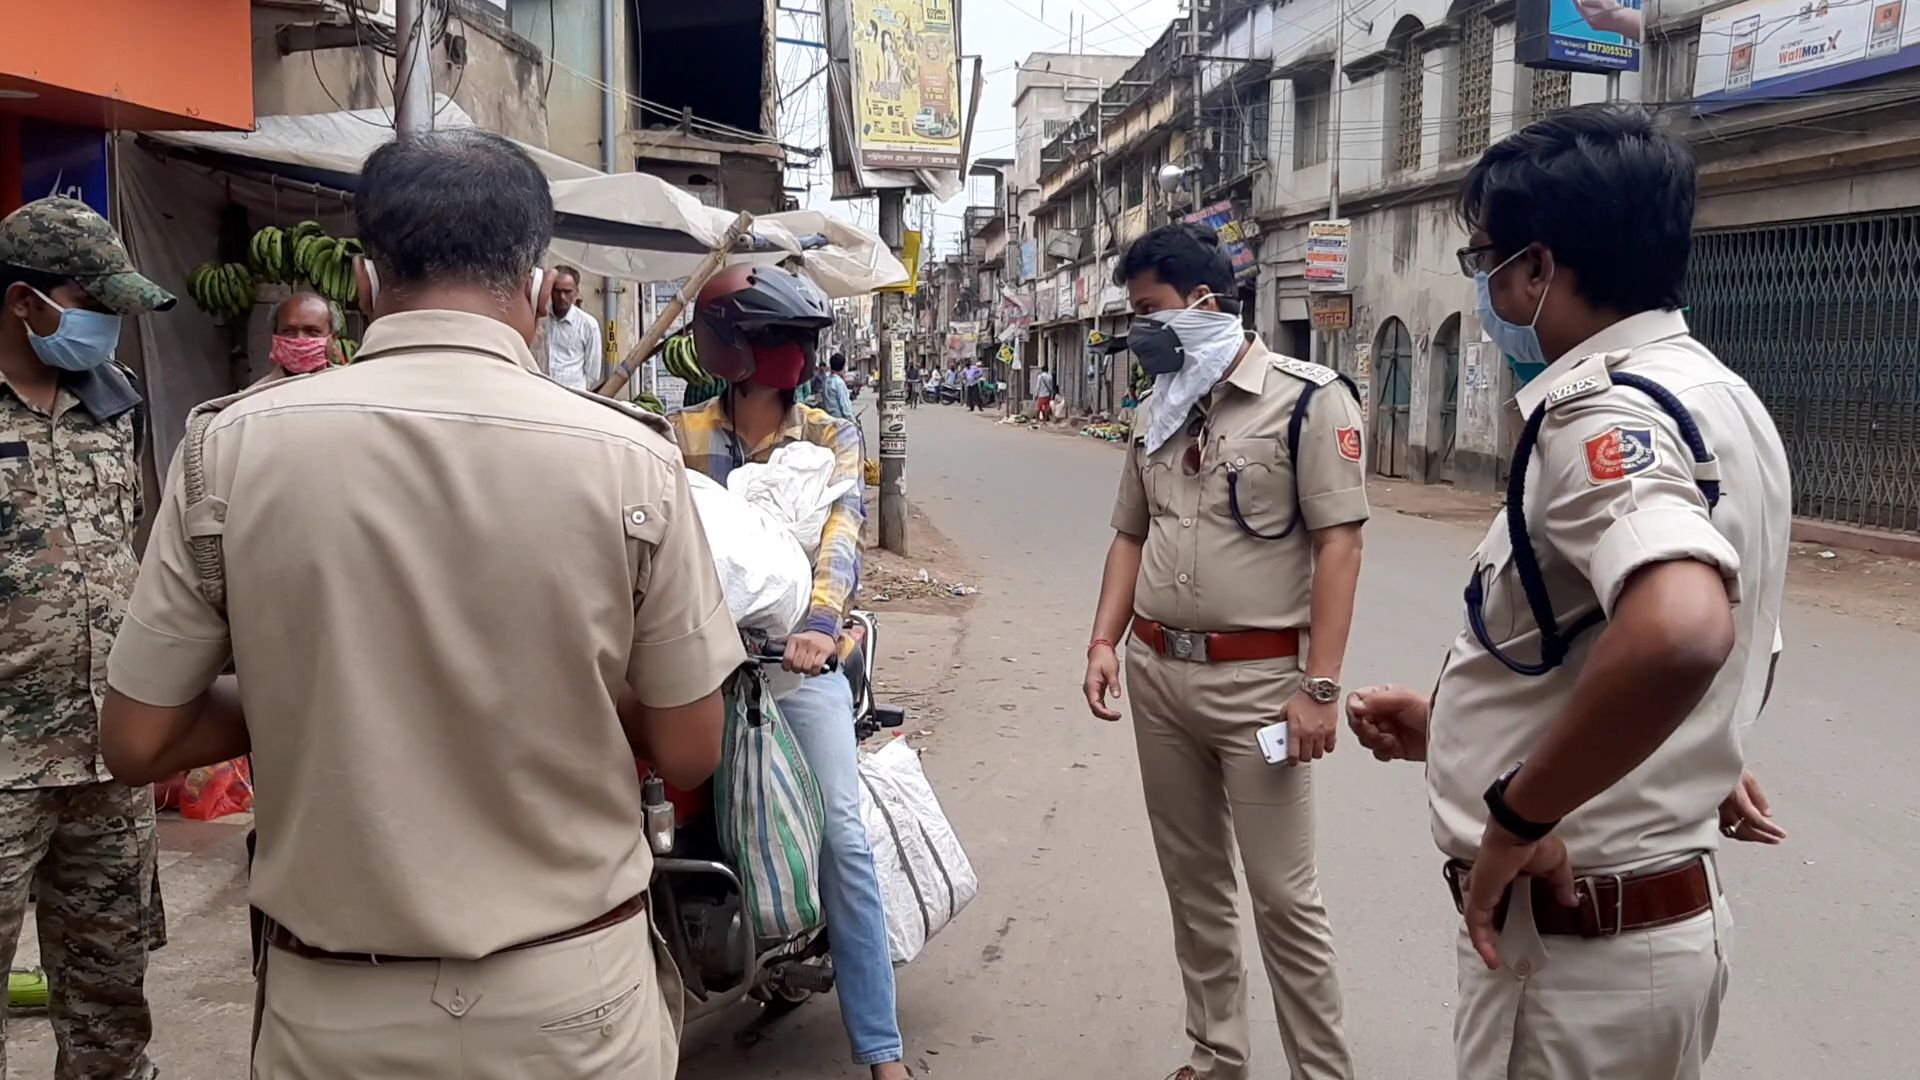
[{"x": 758, "y": 328}]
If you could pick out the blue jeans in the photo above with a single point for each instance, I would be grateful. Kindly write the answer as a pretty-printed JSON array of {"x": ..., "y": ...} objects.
[{"x": 820, "y": 713}]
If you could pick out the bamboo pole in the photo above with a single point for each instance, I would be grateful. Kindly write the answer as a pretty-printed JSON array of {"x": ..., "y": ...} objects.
[{"x": 650, "y": 341}]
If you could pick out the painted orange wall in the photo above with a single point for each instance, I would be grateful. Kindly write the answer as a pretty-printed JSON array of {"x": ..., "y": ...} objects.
[{"x": 131, "y": 64}]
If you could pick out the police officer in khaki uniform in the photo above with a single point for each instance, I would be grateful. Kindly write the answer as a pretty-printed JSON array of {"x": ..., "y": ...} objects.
[
  {"x": 443, "y": 717},
  {"x": 1234, "y": 560},
  {"x": 1587, "y": 727}
]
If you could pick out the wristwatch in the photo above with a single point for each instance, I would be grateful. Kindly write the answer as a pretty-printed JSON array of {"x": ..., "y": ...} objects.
[
  {"x": 1505, "y": 815},
  {"x": 1324, "y": 691}
]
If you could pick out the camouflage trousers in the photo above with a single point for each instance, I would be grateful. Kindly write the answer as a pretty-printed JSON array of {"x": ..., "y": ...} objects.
[{"x": 88, "y": 855}]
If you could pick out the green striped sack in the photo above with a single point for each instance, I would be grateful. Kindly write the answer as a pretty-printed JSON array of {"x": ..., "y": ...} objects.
[{"x": 769, "y": 812}]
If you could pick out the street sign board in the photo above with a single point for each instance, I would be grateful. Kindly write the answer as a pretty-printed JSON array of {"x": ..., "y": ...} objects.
[
  {"x": 1331, "y": 311},
  {"x": 1329, "y": 255}
]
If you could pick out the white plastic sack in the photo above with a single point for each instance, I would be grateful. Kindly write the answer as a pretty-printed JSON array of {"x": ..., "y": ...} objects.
[
  {"x": 925, "y": 878},
  {"x": 767, "y": 578},
  {"x": 795, "y": 486}
]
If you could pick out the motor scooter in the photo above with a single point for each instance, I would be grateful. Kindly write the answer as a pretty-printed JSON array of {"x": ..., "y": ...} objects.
[{"x": 699, "y": 902}]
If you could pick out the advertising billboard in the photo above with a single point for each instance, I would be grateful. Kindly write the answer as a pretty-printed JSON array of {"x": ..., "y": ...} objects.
[
  {"x": 1779, "y": 47},
  {"x": 1221, "y": 218},
  {"x": 1579, "y": 35},
  {"x": 906, "y": 84}
]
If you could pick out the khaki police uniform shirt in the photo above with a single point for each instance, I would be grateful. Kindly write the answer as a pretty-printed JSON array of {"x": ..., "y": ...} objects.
[
  {"x": 429, "y": 691},
  {"x": 67, "y": 566},
  {"x": 1612, "y": 488},
  {"x": 1199, "y": 570}
]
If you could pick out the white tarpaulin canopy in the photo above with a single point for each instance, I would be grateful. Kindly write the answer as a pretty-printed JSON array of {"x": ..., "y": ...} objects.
[{"x": 626, "y": 225}]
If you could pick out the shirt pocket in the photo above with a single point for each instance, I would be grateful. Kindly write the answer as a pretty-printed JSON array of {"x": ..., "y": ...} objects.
[
  {"x": 1503, "y": 604},
  {"x": 1254, "y": 475},
  {"x": 113, "y": 495},
  {"x": 1156, "y": 480},
  {"x": 21, "y": 508}
]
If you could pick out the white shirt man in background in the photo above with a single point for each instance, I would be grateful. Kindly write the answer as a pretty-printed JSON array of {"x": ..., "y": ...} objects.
[{"x": 573, "y": 342}]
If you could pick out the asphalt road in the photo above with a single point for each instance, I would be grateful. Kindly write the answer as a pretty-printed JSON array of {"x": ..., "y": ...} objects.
[{"x": 1064, "y": 967}]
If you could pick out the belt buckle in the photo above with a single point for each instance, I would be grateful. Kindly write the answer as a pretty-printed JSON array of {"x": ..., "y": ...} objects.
[
  {"x": 1590, "y": 894},
  {"x": 1187, "y": 645}
]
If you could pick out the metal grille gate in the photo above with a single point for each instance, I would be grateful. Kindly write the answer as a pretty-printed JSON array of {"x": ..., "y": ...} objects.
[{"x": 1823, "y": 319}]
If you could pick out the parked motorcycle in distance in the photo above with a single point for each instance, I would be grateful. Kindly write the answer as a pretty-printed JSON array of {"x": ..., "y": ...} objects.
[{"x": 699, "y": 903}]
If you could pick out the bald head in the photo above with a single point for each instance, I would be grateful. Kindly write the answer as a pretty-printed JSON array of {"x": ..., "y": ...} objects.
[{"x": 304, "y": 314}]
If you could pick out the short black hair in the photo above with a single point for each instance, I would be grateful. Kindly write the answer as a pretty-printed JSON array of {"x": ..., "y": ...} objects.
[
  {"x": 1604, "y": 189},
  {"x": 1185, "y": 257},
  {"x": 459, "y": 204},
  {"x": 837, "y": 362},
  {"x": 569, "y": 271}
]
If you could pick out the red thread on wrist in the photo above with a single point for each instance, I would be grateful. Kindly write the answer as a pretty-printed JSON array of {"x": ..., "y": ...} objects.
[{"x": 1096, "y": 643}]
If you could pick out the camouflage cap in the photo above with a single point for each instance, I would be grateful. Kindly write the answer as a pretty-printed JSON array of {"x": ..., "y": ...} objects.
[{"x": 66, "y": 238}]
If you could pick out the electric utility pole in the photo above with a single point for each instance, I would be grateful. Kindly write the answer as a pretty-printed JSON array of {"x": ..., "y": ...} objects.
[{"x": 413, "y": 63}]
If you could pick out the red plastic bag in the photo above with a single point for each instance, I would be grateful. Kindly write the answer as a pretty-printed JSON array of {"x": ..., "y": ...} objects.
[{"x": 218, "y": 790}]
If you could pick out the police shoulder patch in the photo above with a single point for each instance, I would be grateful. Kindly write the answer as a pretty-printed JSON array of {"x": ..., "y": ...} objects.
[
  {"x": 1620, "y": 452},
  {"x": 1316, "y": 374}
]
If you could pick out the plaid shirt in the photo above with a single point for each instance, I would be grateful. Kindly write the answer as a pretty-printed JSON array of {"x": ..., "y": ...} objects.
[{"x": 708, "y": 444}]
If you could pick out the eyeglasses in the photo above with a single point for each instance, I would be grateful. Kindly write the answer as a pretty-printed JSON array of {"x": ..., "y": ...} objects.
[{"x": 1470, "y": 258}]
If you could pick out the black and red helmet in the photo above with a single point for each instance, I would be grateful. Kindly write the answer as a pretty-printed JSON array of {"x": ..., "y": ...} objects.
[{"x": 744, "y": 303}]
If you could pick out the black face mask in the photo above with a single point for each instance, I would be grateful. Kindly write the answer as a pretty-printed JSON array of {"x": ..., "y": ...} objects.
[{"x": 1156, "y": 346}]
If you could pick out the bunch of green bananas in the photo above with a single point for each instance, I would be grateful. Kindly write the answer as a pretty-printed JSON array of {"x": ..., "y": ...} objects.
[
  {"x": 348, "y": 349},
  {"x": 223, "y": 290},
  {"x": 326, "y": 262},
  {"x": 650, "y": 403},
  {"x": 268, "y": 255},
  {"x": 683, "y": 361}
]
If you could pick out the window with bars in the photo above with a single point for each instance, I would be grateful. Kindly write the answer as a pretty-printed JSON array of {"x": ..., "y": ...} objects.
[
  {"x": 1257, "y": 131},
  {"x": 1473, "y": 89},
  {"x": 1678, "y": 56},
  {"x": 1136, "y": 182},
  {"x": 1552, "y": 91},
  {"x": 1409, "y": 84},
  {"x": 1310, "y": 109}
]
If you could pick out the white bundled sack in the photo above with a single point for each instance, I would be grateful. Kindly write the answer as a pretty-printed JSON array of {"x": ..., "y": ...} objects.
[
  {"x": 925, "y": 878},
  {"x": 795, "y": 486},
  {"x": 767, "y": 578}
]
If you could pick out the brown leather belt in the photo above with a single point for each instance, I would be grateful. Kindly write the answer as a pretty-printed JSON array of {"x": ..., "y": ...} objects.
[
  {"x": 1610, "y": 904},
  {"x": 282, "y": 938},
  {"x": 1202, "y": 648}
]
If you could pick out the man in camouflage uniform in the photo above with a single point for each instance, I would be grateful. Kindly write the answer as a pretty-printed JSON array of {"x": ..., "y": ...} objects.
[{"x": 70, "y": 432}]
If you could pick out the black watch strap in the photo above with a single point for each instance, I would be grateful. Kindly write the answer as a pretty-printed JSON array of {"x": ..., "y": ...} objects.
[{"x": 1505, "y": 815}]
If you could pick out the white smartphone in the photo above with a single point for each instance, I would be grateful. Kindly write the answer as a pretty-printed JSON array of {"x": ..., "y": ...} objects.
[{"x": 1273, "y": 742}]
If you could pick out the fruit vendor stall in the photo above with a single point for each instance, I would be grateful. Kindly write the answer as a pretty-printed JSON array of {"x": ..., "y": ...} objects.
[{"x": 235, "y": 221}]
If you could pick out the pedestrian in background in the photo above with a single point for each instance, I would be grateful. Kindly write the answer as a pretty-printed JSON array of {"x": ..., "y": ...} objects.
[
  {"x": 1586, "y": 734},
  {"x": 327, "y": 536},
  {"x": 974, "y": 376},
  {"x": 1043, "y": 394},
  {"x": 575, "y": 352},
  {"x": 70, "y": 433},
  {"x": 1235, "y": 556},
  {"x": 914, "y": 380},
  {"x": 838, "y": 403}
]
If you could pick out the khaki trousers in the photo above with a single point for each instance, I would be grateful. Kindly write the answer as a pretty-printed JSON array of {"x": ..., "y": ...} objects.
[
  {"x": 1641, "y": 1006},
  {"x": 601, "y": 1006},
  {"x": 1206, "y": 782}
]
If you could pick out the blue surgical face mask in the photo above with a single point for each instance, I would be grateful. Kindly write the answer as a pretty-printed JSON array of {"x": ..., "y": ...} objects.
[
  {"x": 1521, "y": 344},
  {"x": 83, "y": 341}
]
